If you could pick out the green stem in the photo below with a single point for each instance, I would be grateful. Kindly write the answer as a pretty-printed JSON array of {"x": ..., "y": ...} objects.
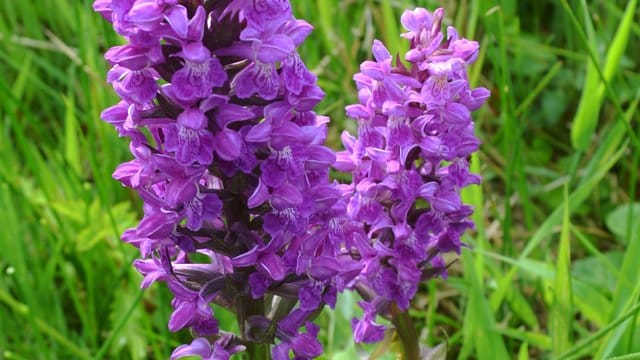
[
  {"x": 406, "y": 333},
  {"x": 258, "y": 352},
  {"x": 248, "y": 307}
]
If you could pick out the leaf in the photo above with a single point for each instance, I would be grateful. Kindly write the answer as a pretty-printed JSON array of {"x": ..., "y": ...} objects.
[
  {"x": 479, "y": 319},
  {"x": 71, "y": 148},
  {"x": 523, "y": 354},
  {"x": 592, "y": 272},
  {"x": 586, "y": 118},
  {"x": 539, "y": 340},
  {"x": 592, "y": 303},
  {"x": 561, "y": 314},
  {"x": 618, "y": 222}
]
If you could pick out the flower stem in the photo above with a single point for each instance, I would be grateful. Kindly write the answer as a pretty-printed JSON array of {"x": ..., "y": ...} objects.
[
  {"x": 256, "y": 350},
  {"x": 406, "y": 333}
]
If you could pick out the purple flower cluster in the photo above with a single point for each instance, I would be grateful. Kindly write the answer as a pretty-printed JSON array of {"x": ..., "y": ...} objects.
[
  {"x": 231, "y": 165},
  {"x": 409, "y": 162}
]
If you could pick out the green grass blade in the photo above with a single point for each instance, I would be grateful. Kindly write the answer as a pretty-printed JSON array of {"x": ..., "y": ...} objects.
[
  {"x": 561, "y": 314},
  {"x": 593, "y": 338},
  {"x": 523, "y": 353},
  {"x": 586, "y": 118},
  {"x": 614, "y": 98},
  {"x": 488, "y": 342},
  {"x": 391, "y": 30},
  {"x": 633, "y": 356},
  {"x": 628, "y": 286},
  {"x": 539, "y": 340},
  {"x": 71, "y": 149}
]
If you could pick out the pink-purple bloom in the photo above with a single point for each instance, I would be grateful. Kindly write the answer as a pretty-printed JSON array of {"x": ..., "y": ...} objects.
[
  {"x": 415, "y": 135},
  {"x": 231, "y": 163}
]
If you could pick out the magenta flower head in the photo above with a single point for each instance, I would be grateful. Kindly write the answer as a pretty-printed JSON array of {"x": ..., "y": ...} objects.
[
  {"x": 231, "y": 165},
  {"x": 415, "y": 137}
]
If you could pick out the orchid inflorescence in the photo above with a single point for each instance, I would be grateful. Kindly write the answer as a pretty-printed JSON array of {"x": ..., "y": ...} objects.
[{"x": 232, "y": 167}]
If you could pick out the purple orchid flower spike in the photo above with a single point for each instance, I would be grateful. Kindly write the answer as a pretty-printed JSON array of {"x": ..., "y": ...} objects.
[
  {"x": 230, "y": 162},
  {"x": 415, "y": 134}
]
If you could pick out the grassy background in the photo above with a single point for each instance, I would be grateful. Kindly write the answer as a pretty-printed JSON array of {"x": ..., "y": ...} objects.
[{"x": 554, "y": 268}]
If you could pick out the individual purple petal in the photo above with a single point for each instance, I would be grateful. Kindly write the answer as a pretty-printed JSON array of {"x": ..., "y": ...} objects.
[
  {"x": 152, "y": 270},
  {"x": 281, "y": 351},
  {"x": 182, "y": 315},
  {"x": 179, "y": 190},
  {"x": 195, "y": 27},
  {"x": 134, "y": 86},
  {"x": 261, "y": 132},
  {"x": 158, "y": 224},
  {"x": 259, "y": 196},
  {"x": 297, "y": 30},
  {"x": 228, "y": 144},
  {"x": 475, "y": 98},
  {"x": 429, "y": 189},
  {"x": 457, "y": 113},
  {"x": 199, "y": 346},
  {"x": 145, "y": 14},
  {"x": 434, "y": 147},
  {"x": 272, "y": 265},
  {"x": 325, "y": 196},
  {"x": 230, "y": 113},
  {"x": 274, "y": 48},
  {"x": 203, "y": 207},
  {"x": 103, "y": 7},
  {"x": 380, "y": 52},
  {"x": 306, "y": 345},
  {"x": 319, "y": 157},
  {"x": 358, "y": 111},
  {"x": 267, "y": 13},
  {"x": 366, "y": 330},
  {"x": 128, "y": 56},
  {"x": 286, "y": 196},
  {"x": 257, "y": 78},
  {"x": 325, "y": 268},
  {"x": 178, "y": 20},
  {"x": 416, "y": 20},
  {"x": 295, "y": 74},
  {"x": 446, "y": 199}
]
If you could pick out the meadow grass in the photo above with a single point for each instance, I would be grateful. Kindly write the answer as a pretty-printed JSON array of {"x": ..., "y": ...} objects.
[{"x": 550, "y": 272}]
